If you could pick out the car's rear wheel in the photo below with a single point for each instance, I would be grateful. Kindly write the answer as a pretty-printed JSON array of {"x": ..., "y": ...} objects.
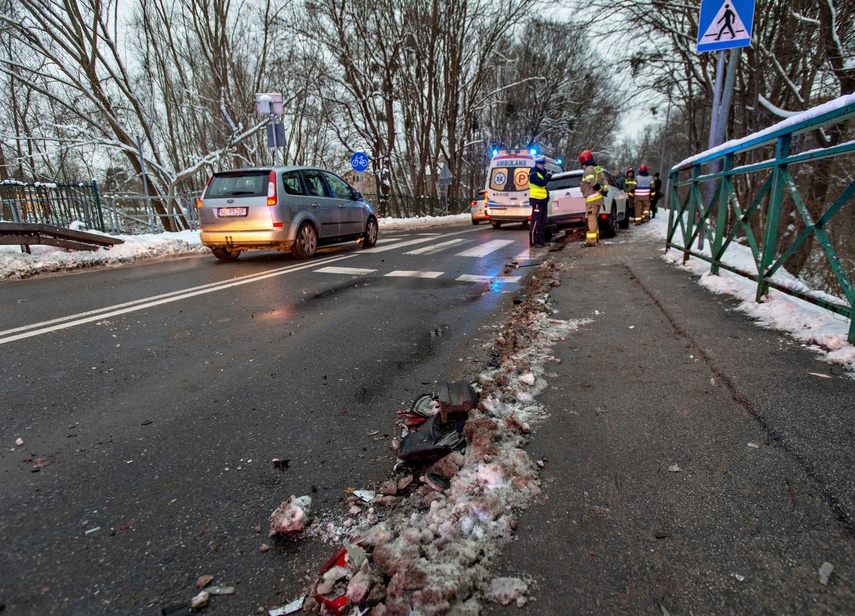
[
  {"x": 225, "y": 254},
  {"x": 306, "y": 242},
  {"x": 475, "y": 221},
  {"x": 371, "y": 231},
  {"x": 496, "y": 224},
  {"x": 610, "y": 228}
]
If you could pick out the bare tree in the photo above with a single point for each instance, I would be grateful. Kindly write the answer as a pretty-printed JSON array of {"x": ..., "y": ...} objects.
[{"x": 70, "y": 57}]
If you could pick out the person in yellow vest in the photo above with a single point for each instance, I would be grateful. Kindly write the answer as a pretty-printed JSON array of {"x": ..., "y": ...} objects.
[
  {"x": 538, "y": 197},
  {"x": 593, "y": 188},
  {"x": 642, "y": 195},
  {"x": 629, "y": 187}
]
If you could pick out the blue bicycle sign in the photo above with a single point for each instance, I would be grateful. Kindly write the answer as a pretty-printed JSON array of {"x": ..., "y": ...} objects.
[{"x": 359, "y": 161}]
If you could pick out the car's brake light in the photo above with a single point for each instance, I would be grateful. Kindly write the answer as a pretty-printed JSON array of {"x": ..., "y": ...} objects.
[
  {"x": 199, "y": 202},
  {"x": 271, "y": 189},
  {"x": 603, "y": 216}
]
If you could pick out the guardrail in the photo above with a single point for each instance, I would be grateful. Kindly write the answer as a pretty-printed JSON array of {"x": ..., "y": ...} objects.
[
  {"x": 742, "y": 169},
  {"x": 51, "y": 204}
]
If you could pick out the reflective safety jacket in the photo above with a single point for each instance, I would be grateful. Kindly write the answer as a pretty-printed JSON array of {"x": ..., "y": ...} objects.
[
  {"x": 537, "y": 184},
  {"x": 642, "y": 185},
  {"x": 593, "y": 176}
]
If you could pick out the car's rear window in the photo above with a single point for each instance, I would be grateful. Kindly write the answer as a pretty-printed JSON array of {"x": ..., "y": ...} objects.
[
  {"x": 291, "y": 181},
  {"x": 572, "y": 181},
  {"x": 252, "y": 184}
]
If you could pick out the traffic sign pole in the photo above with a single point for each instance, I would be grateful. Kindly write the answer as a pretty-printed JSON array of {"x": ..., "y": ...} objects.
[{"x": 723, "y": 24}]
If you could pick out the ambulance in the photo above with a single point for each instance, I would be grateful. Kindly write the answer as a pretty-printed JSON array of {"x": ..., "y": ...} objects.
[{"x": 507, "y": 185}]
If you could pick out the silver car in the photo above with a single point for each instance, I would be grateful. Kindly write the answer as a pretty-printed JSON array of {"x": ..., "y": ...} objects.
[
  {"x": 282, "y": 208},
  {"x": 567, "y": 205}
]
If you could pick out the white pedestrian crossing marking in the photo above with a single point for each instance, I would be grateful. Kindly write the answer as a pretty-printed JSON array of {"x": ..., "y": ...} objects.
[
  {"x": 355, "y": 271},
  {"x": 421, "y": 240},
  {"x": 484, "y": 249},
  {"x": 429, "y": 250},
  {"x": 525, "y": 255},
  {"x": 413, "y": 274},
  {"x": 474, "y": 278}
]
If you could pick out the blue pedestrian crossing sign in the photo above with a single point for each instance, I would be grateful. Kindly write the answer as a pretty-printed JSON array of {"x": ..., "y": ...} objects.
[{"x": 725, "y": 24}]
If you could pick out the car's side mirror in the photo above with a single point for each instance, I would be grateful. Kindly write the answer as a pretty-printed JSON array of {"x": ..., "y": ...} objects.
[{"x": 356, "y": 195}]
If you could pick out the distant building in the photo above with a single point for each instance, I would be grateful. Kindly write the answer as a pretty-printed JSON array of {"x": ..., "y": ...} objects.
[{"x": 369, "y": 182}]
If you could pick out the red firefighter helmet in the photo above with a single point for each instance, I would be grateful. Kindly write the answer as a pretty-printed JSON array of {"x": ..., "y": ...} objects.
[
  {"x": 585, "y": 157},
  {"x": 642, "y": 169}
]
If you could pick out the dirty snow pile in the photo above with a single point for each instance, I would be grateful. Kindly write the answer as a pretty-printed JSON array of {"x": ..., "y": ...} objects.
[
  {"x": 820, "y": 330},
  {"x": 430, "y": 553}
]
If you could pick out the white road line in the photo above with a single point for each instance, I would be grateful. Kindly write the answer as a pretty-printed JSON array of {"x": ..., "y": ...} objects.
[
  {"x": 355, "y": 271},
  {"x": 474, "y": 278},
  {"x": 429, "y": 250},
  {"x": 404, "y": 244},
  {"x": 413, "y": 274},
  {"x": 525, "y": 255},
  {"x": 484, "y": 249},
  {"x": 141, "y": 304},
  {"x": 397, "y": 245}
]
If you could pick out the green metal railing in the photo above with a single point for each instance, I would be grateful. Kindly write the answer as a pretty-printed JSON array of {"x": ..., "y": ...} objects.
[
  {"x": 718, "y": 217},
  {"x": 51, "y": 204}
]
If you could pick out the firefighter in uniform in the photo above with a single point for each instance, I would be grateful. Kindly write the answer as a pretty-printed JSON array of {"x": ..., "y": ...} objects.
[
  {"x": 629, "y": 187},
  {"x": 538, "y": 197},
  {"x": 642, "y": 195},
  {"x": 593, "y": 187}
]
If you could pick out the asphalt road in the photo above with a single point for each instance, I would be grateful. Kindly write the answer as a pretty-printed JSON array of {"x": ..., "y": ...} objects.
[{"x": 151, "y": 400}]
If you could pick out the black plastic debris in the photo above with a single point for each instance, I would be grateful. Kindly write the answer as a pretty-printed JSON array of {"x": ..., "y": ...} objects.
[
  {"x": 281, "y": 464},
  {"x": 442, "y": 432},
  {"x": 432, "y": 441}
]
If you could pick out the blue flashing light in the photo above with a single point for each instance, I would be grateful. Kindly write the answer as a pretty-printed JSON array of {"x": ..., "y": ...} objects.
[
  {"x": 559, "y": 161},
  {"x": 533, "y": 151},
  {"x": 495, "y": 152}
]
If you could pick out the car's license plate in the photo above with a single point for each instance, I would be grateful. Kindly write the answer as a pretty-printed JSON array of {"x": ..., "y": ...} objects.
[{"x": 231, "y": 211}]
